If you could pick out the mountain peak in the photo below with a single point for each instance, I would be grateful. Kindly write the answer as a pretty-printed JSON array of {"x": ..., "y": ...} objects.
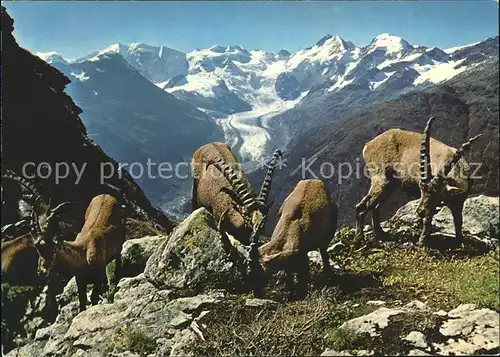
[
  {"x": 51, "y": 57},
  {"x": 283, "y": 54},
  {"x": 114, "y": 48},
  {"x": 390, "y": 43},
  {"x": 323, "y": 39},
  {"x": 334, "y": 41}
]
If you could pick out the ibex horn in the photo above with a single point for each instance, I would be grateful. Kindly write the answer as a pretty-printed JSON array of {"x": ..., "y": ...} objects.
[
  {"x": 454, "y": 159},
  {"x": 239, "y": 187},
  {"x": 425, "y": 157},
  {"x": 266, "y": 184},
  {"x": 8, "y": 174},
  {"x": 57, "y": 208}
]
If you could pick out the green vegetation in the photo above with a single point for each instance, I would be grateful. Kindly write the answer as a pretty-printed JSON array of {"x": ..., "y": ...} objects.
[
  {"x": 444, "y": 281},
  {"x": 112, "y": 283},
  {"x": 14, "y": 302},
  {"x": 340, "y": 339},
  {"x": 132, "y": 339},
  {"x": 310, "y": 326}
]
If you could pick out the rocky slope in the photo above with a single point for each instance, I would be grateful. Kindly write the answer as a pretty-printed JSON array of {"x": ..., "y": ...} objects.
[
  {"x": 49, "y": 130},
  {"x": 190, "y": 295},
  {"x": 464, "y": 106}
]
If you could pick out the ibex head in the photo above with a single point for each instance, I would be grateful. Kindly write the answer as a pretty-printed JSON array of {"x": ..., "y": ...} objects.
[
  {"x": 253, "y": 209},
  {"x": 45, "y": 225},
  {"x": 433, "y": 187}
]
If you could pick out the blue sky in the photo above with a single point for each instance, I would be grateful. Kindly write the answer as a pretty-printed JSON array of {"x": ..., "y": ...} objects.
[{"x": 75, "y": 29}]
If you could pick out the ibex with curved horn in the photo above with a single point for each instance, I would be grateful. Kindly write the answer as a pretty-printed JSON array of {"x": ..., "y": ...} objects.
[
  {"x": 450, "y": 185},
  {"x": 99, "y": 242},
  {"x": 224, "y": 190},
  {"x": 19, "y": 255},
  {"x": 393, "y": 161}
]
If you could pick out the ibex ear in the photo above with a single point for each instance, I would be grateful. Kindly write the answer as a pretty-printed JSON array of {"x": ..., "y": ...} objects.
[{"x": 450, "y": 188}]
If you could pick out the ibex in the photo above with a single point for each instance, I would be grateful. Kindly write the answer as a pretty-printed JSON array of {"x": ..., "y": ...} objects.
[
  {"x": 306, "y": 221},
  {"x": 19, "y": 261},
  {"x": 19, "y": 255},
  {"x": 221, "y": 187},
  {"x": 98, "y": 243},
  {"x": 441, "y": 174}
]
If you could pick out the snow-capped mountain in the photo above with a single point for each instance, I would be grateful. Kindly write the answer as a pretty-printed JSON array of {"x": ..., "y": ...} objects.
[
  {"x": 156, "y": 63},
  {"x": 134, "y": 121},
  {"x": 273, "y": 83},
  {"x": 51, "y": 57},
  {"x": 250, "y": 93}
]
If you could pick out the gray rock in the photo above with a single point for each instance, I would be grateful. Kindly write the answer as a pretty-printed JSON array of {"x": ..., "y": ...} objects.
[
  {"x": 417, "y": 305},
  {"x": 466, "y": 322},
  {"x": 418, "y": 353},
  {"x": 462, "y": 310},
  {"x": 416, "y": 339},
  {"x": 181, "y": 341},
  {"x": 138, "y": 306},
  {"x": 194, "y": 258},
  {"x": 136, "y": 252},
  {"x": 480, "y": 215},
  {"x": 373, "y": 322},
  {"x": 329, "y": 352},
  {"x": 375, "y": 302},
  {"x": 441, "y": 313},
  {"x": 472, "y": 330},
  {"x": 260, "y": 302}
]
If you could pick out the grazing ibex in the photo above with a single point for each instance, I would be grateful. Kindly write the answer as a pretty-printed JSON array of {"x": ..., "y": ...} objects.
[
  {"x": 19, "y": 255},
  {"x": 441, "y": 174},
  {"x": 307, "y": 220},
  {"x": 98, "y": 243},
  {"x": 221, "y": 187}
]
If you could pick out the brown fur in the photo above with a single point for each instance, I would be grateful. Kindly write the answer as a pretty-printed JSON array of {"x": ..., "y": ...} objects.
[
  {"x": 19, "y": 261},
  {"x": 98, "y": 243},
  {"x": 212, "y": 191},
  {"x": 307, "y": 221},
  {"x": 393, "y": 161}
]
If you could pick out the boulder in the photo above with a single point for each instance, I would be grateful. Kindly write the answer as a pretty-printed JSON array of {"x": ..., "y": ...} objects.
[
  {"x": 470, "y": 330},
  {"x": 464, "y": 330},
  {"x": 260, "y": 303},
  {"x": 480, "y": 220},
  {"x": 373, "y": 322},
  {"x": 136, "y": 252},
  {"x": 195, "y": 258},
  {"x": 416, "y": 339}
]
